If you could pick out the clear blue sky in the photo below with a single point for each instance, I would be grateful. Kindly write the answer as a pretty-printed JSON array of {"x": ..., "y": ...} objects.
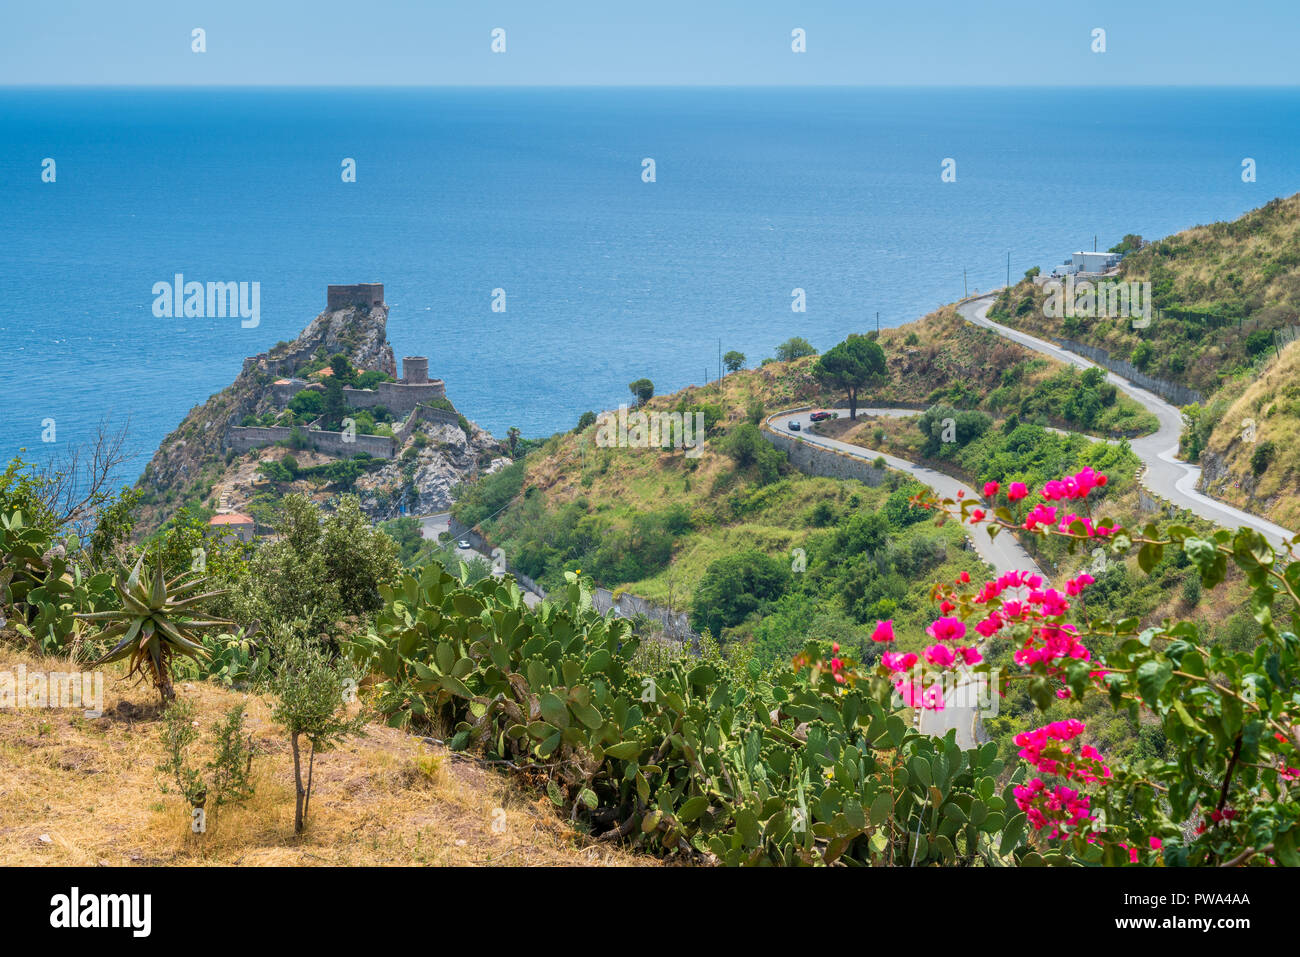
[{"x": 597, "y": 42}]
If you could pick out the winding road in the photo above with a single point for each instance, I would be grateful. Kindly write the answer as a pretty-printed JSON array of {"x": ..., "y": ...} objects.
[
  {"x": 1003, "y": 553},
  {"x": 1162, "y": 474}
]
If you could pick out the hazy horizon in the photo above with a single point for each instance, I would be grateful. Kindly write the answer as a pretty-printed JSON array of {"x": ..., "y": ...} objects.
[{"x": 1009, "y": 43}]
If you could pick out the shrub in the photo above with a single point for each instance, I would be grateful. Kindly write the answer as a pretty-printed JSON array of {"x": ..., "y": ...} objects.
[
  {"x": 226, "y": 778},
  {"x": 694, "y": 758},
  {"x": 795, "y": 347},
  {"x": 311, "y": 696},
  {"x": 1262, "y": 457},
  {"x": 736, "y": 586}
]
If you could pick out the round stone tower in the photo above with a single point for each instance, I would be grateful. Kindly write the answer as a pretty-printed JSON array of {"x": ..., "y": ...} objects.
[{"x": 415, "y": 370}]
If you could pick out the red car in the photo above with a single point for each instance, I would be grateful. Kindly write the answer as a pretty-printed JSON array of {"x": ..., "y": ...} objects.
[{"x": 819, "y": 415}]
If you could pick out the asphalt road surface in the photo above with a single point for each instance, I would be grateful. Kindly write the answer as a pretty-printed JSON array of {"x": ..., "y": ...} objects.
[{"x": 1164, "y": 475}]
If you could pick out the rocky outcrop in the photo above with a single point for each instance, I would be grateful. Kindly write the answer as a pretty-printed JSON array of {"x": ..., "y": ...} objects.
[
  {"x": 192, "y": 460},
  {"x": 359, "y": 332},
  {"x": 423, "y": 476}
]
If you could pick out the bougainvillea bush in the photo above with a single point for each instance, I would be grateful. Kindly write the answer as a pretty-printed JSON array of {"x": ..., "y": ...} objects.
[{"x": 1226, "y": 791}]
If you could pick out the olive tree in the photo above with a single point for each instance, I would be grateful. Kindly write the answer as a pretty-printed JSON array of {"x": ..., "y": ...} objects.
[{"x": 312, "y": 693}]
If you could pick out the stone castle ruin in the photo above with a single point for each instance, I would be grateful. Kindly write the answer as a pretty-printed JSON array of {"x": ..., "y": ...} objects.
[
  {"x": 363, "y": 294},
  {"x": 406, "y": 398}
]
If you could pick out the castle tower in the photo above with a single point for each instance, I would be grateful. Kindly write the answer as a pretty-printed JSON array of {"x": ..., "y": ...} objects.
[
  {"x": 415, "y": 370},
  {"x": 365, "y": 295}
]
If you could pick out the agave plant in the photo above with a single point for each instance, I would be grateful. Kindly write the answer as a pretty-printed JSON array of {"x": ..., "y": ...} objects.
[
  {"x": 41, "y": 586},
  {"x": 158, "y": 620}
]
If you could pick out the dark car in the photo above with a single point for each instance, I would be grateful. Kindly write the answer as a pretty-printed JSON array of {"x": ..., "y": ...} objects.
[{"x": 794, "y": 426}]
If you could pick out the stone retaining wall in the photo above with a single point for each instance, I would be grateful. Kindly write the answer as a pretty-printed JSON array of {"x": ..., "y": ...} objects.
[
  {"x": 1170, "y": 391},
  {"x": 829, "y": 463}
]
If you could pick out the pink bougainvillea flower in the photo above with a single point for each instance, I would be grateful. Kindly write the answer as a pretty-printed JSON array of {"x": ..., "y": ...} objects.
[
  {"x": 1073, "y": 486},
  {"x": 915, "y": 696},
  {"x": 947, "y": 629},
  {"x": 1051, "y": 809},
  {"x": 1017, "y": 491},
  {"x": 1041, "y": 515},
  {"x": 940, "y": 655},
  {"x": 991, "y": 489},
  {"x": 897, "y": 661},
  {"x": 884, "y": 631},
  {"x": 1075, "y": 586}
]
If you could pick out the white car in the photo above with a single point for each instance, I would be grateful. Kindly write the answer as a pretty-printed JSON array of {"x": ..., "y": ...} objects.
[{"x": 464, "y": 543}]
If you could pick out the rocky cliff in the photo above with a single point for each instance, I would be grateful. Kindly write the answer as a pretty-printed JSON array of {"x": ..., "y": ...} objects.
[{"x": 192, "y": 467}]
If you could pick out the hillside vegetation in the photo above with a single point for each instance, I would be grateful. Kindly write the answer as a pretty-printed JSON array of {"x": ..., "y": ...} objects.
[
  {"x": 1251, "y": 457},
  {"x": 1220, "y": 293},
  {"x": 1227, "y": 300},
  {"x": 656, "y": 522}
]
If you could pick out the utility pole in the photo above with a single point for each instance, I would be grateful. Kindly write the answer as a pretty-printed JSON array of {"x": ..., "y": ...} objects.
[
  {"x": 877, "y": 322},
  {"x": 965, "y": 289},
  {"x": 1094, "y": 242},
  {"x": 1008, "y": 270}
]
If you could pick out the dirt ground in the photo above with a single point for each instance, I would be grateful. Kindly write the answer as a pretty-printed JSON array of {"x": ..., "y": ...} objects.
[{"x": 85, "y": 791}]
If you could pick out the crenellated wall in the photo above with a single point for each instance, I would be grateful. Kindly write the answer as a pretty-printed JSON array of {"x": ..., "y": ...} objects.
[
  {"x": 397, "y": 397},
  {"x": 363, "y": 294}
]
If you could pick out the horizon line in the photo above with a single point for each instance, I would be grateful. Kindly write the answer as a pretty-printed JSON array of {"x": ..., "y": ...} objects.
[{"x": 648, "y": 86}]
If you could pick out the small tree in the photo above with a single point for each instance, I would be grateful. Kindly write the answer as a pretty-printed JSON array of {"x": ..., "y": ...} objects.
[
  {"x": 796, "y": 347},
  {"x": 643, "y": 389},
  {"x": 343, "y": 371},
  {"x": 734, "y": 361},
  {"x": 856, "y": 363},
  {"x": 229, "y": 772},
  {"x": 312, "y": 692}
]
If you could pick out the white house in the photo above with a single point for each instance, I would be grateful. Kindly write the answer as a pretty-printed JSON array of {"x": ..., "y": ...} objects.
[{"x": 1094, "y": 261}]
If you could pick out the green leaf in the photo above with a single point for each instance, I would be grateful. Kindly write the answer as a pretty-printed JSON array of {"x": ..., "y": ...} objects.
[
  {"x": 1152, "y": 676},
  {"x": 624, "y": 750},
  {"x": 693, "y": 808},
  {"x": 554, "y": 710},
  {"x": 1012, "y": 833},
  {"x": 880, "y": 808}
]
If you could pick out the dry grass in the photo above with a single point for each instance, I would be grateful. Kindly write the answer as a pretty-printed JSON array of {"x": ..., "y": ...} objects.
[
  {"x": 79, "y": 791},
  {"x": 1272, "y": 403}
]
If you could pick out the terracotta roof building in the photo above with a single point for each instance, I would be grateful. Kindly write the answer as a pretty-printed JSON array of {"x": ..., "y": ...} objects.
[{"x": 233, "y": 524}]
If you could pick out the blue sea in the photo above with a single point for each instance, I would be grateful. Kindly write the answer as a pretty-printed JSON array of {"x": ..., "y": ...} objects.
[{"x": 539, "y": 192}]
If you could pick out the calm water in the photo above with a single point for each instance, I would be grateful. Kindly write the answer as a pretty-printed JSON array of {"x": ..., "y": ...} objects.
[{"x": 539, "y": 193}]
